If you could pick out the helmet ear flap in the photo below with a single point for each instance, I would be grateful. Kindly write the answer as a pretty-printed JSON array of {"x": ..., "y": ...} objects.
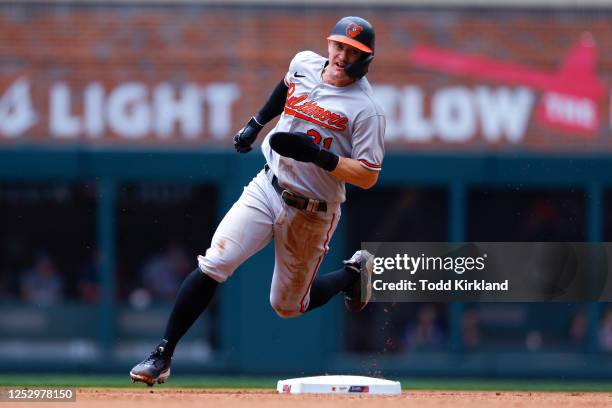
[{"x": 359, "y": 68}]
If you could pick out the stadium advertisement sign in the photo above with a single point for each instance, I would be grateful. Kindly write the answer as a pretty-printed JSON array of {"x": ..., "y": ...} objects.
[
  {"x": 130, "y": 112},
  {"x": 507, "y": 104},
  {"x": 439, "y": 97}
]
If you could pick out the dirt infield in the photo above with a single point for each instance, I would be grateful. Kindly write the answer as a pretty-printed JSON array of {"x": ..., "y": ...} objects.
[{"x": 183, "y": 398}]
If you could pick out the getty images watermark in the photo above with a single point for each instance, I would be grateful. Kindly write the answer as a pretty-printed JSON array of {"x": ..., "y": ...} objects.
[
  {"x": 485, "y": 271},
  {"x": 37, "y": 394},
  {"x": 413, "y": 264}
]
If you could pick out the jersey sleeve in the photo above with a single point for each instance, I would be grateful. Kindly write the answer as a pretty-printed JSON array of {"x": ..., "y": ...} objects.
[
  {"x": 293, "y": 66},
  {"x": 368, "y": 142},
  {"x": 297, "y": 64}
]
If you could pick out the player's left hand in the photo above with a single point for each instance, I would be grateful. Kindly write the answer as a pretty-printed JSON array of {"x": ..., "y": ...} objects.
[
  {"x": 296, "y": 145},
  {"x": 299, "y": 146}
]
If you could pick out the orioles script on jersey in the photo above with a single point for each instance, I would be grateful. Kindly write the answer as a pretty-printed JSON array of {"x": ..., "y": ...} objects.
[{"x": 312, "y": 112}]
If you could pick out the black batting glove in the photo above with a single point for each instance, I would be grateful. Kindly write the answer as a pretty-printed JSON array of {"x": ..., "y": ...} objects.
[
  {"x": 299, "y": 146},
  {"x": 246, "y": 136}
]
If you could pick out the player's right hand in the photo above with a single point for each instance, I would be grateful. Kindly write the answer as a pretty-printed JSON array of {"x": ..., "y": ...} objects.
[{"x": 246, "y": 136}]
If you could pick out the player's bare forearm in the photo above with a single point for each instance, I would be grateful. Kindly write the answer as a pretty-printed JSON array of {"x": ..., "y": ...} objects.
[{"x": 351, "y": 171}]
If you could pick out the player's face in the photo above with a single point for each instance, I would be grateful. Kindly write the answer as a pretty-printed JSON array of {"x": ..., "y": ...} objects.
[{"x": 340, "y": 55}]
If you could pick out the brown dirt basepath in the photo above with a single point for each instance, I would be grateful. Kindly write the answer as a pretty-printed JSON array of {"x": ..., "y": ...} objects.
[{"x": 159, "y": 397}]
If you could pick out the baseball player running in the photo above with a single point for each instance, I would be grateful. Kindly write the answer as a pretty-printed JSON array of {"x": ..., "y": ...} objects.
[{"x": 330, "y": 133}]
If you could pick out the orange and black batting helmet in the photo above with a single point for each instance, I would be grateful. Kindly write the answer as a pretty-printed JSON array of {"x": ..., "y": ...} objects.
[{"x": 359, "y": 33}]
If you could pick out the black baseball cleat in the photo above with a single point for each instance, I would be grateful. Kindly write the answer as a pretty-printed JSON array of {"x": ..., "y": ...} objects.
[
  {"x": 354, "y": 298},
  {"x": 153, "y": 369}
]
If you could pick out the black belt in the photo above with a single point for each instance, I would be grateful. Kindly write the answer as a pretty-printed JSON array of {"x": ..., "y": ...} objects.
[{"x": 295, "y": 200}]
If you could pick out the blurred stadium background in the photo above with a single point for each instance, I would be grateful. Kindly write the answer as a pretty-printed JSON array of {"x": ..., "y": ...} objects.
[{"x": 116, "y": 164}]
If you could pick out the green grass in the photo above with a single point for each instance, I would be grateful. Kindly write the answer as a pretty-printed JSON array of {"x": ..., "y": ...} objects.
[
  {"x": 123, "y": 381},
  {"x": 505, "y": 385},
  {"x": 177, "y": 381}
]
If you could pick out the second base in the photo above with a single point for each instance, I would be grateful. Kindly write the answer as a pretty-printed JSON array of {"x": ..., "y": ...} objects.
[{"x": 339, "y": 384}]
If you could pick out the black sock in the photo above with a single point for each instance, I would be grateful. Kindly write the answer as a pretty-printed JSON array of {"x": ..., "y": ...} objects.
[
  {"x": 327, "y": 286},
  {"x": 193, "y": 296}
]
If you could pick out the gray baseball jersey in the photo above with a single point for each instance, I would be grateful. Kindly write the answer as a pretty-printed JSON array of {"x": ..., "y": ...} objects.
[{"x": 345, "y": 120}]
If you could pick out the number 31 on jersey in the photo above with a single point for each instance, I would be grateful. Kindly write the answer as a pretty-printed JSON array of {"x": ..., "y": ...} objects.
[{"x": 316, "y": 137}]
